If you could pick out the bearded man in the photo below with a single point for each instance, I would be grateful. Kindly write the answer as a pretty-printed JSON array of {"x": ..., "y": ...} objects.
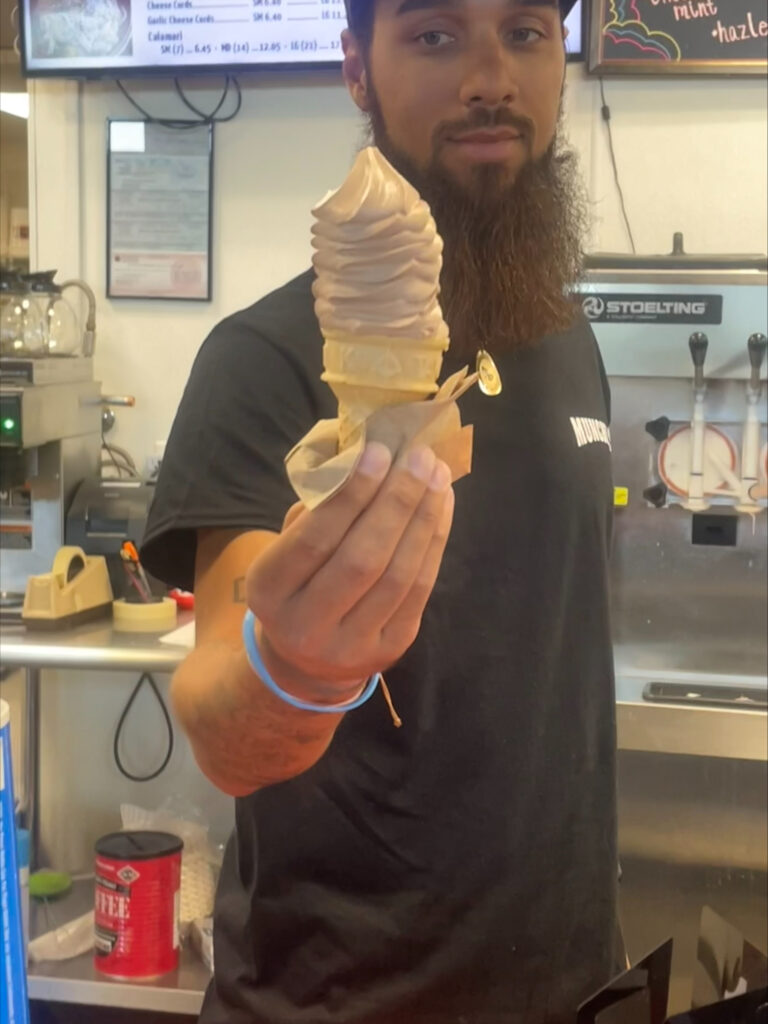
[{"x": 461, "y": 869}]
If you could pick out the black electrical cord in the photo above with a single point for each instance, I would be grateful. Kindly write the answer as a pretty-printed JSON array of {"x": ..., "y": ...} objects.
[
  {"x": 120, "y": 459},
  {"x": 125, "y": 457},
  {"x": 201, "y": 118},
  {"x": 105, "y": 447},
  {"x": 145, "y": 676},
  {"x": 605, "y": 110},
  {"x": 211, "y": 118}
]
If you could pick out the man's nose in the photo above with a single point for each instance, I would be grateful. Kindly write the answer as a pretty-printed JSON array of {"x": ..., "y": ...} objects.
[{"x": 489, "y": 80}]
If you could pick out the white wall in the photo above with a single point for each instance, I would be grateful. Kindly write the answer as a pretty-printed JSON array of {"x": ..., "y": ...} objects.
[
  {"x": 691, "y": 154},
  {"x": 692, "y": 157}
]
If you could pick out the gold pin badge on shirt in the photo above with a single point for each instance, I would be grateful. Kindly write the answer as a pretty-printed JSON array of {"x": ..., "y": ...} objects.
[{"x": 490, "y": 378}]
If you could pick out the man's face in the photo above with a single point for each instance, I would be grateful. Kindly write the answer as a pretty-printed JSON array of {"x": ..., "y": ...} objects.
[
  {"x": 463, "y": 98},
  {"x": 472, "y": 86}
]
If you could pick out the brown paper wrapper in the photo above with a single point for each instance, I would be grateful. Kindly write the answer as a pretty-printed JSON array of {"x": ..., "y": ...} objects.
[{"x": 318, "y": 470}]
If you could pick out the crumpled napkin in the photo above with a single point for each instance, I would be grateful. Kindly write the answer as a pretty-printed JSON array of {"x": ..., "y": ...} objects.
[{"x": 318, "y": 470}]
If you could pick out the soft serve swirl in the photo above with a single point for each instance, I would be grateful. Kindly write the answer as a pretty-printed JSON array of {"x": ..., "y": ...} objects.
[{"x": 378, "y": 256}]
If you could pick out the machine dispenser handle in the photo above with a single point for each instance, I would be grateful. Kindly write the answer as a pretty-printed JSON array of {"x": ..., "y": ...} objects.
[
  {"x": 698, "y": 343},
  {"x": 127, "y": 400},
  {"x": 658, "y": 428},
  {"x": 756, "y": 345},
  {"x": 656, "y": 495}
]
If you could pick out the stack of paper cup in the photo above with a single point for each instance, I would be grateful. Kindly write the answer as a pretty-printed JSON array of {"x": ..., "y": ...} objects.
[{"x": 14, "y": 1008}]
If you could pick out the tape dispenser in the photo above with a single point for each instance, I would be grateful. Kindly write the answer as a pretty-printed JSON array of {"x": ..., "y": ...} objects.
[{"x": 76, "y": 590}]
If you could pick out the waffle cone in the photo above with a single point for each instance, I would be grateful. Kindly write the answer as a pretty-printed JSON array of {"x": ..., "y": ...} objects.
[{"x": 367, "y": 373}]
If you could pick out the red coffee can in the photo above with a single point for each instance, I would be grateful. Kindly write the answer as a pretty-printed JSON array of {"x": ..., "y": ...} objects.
[{"x": 138, "y": 881}]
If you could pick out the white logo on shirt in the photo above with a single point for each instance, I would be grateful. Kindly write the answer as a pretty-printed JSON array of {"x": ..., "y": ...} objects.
[{"x": 589, "y": 431}]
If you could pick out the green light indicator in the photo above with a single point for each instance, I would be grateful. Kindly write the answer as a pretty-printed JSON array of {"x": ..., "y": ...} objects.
[{"x": 8, "y": 423}]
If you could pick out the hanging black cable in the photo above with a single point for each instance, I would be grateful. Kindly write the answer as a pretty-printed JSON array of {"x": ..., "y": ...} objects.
[
  {"x": 107, "y": 448},
  {"x": 605, "y": 110},
  {"x": 210, "y": 118},
  {"x": 145, "y": 676},
  {"x": 201, "y": 118}
]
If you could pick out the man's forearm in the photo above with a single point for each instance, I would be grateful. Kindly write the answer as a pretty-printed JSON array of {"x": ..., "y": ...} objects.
[{"x": 243, "y": 736}]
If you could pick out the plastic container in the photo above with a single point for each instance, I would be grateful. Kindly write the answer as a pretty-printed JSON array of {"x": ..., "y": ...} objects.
[
  {"x": 22, "y": 862},
  {"x": 14, "y": 1007}
]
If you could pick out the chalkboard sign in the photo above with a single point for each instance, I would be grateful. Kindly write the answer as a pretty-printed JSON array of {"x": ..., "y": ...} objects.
[{"x": 726, "y": 37}]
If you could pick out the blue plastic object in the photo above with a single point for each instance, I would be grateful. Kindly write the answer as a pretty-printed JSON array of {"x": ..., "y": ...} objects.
[
  {"x": 22, "y": 848},
  {"x": 14, "y": 1006}
]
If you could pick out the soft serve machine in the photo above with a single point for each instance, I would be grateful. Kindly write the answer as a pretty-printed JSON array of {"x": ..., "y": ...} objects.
[{"x": 683, "y": 339}]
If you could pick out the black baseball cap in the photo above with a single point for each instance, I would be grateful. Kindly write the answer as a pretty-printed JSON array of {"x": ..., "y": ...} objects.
[{"x": 565, "y": 5}]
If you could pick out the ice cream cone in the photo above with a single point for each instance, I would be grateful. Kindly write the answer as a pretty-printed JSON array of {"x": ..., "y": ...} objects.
[{"x": 367, "y": 373}]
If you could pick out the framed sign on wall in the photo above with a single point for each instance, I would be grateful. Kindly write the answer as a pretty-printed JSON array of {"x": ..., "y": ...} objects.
[
  {"x": 159, "y": 210},
  {"x": 693, "y": 37}
]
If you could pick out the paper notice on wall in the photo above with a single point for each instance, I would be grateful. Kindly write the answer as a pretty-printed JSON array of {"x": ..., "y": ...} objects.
[
  {"x": 18, "y": 233},
  {"x": 159, "y": 223}
]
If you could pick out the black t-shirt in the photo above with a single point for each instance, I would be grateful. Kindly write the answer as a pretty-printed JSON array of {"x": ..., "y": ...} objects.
[{"x": 461, "y": 869}]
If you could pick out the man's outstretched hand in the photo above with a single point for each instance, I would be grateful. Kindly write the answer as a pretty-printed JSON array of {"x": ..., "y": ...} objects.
[{"x": 340, "y": 594}]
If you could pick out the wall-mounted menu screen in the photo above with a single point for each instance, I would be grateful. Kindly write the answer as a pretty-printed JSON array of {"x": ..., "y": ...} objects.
[
  {"x": 711, "y": 37},
  {"x": 118, "y": 38}
]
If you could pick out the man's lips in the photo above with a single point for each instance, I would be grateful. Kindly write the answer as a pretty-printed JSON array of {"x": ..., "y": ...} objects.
[
  {"x": 487, "y": 137},
  {"x": 488, "y": 146}
]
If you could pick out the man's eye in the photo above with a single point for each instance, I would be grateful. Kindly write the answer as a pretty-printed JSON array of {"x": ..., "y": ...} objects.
[
  {"x": 525, "y": 35},
  {"x": 434, "y": 40}
]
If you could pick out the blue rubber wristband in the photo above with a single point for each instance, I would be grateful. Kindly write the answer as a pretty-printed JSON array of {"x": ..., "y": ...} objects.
[{"x": 256, "y": 662}]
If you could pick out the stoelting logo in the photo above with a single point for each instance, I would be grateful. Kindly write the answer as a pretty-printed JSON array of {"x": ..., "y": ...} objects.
[
  {"x": 593, "y": 307},
  {"x": 622, "y": 308}
]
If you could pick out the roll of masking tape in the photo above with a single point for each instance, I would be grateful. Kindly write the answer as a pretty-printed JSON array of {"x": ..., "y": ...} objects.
[{"x": 152, "y": 617}]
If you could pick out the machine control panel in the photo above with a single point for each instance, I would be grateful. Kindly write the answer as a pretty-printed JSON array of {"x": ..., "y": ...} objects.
[{"x": 10, "y": 421}]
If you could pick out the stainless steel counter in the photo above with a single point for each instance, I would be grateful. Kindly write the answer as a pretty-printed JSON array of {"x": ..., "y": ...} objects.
[
  {"x": 92, "y": 646},
  {"x": 77, "y": 980},
  {"x": 96, "y": 645},
  {"x": 663, "y": 728},
  {"x": 666, "y": 727}
]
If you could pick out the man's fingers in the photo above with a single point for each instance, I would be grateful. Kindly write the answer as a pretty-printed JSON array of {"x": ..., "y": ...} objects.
[
  {"x": 381, "y": 602},
  {"x": 293, "y": 514},
  {"x": 402, "y": 629},
  {"x": 366, "y": 552},
  {"x": 310, "y": 540}
]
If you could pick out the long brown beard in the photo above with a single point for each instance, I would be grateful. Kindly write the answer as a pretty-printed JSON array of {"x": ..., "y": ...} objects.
[{"x": 512, "y": 249}]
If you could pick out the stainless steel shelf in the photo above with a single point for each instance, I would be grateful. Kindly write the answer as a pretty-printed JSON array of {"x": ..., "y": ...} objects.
[
  {"x": 96, "y": 645},
  {"x": 78, "y": 981},
  {"x": 667, "y": 728},
  {"x": 733, "y": 731}
]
